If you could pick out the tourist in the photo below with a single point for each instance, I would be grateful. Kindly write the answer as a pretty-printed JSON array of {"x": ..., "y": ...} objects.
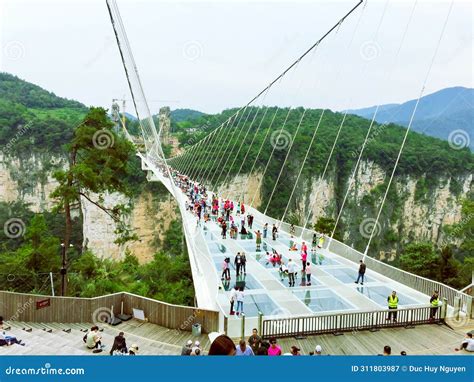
[
  {"x": 274, "y": 349},
  {"x": 387, "y": 350},
  {"x": 196, "y": 349},
  {"x": 314, "y": 243},
  {"x": 240, "y": 301},
  {"x": 258, "y": 235},
  {"x": 93, "y": 340},
  {"x": 265, "y": 230},
  {"x": 362, "y": 268},
  {"x": 242, "y": 208},
  {"x": 186, "y": 350},
  {"x": 243, "y": 260},
  {"x": 392, "y": 306},
  {"x": 250, "y": 220},
  {"x": 274, "y": 232},
  {"x": 133, "y": 350},
  {"x": 291, "y": 272},
  {"x": 292, "y": 230},
  {"x": 119, "y": 346},
  {"x": 434, "y": 301},
  {"x": 467, "y": 344},
  {"x": 224, "y": 229},
  {"x": 295, "y": 350},
  {"x": 238, "y": 263},
  {"x": 243, "y": 349},
  {"x": 304, "y": 248},
  {"x": 321, "y": 242},
  {"x": 318, "y": 350},
  {"x": 222, "y": 345},
  {"x": 308, "y": 273},
  {"x": 225, "y": 269},
  {"x": 233, "y": 299},
  {"x": 304, "y": 256},
  {"x": 255, "y": 340},
  {"x": 8, "y": 340}
]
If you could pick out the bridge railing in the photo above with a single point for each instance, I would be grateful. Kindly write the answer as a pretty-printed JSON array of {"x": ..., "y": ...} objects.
[
  {"x": 338, "y": 323},
  {"x": 38, "y": 308},
  {"x": 421, "y": 284}
]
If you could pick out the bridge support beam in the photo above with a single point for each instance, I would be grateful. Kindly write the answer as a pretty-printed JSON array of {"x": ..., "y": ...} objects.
[{"x": 242, "y": 327}]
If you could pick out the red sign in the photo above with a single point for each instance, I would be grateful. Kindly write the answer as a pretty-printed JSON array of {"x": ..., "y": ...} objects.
[{"x": 43, "y": 303}]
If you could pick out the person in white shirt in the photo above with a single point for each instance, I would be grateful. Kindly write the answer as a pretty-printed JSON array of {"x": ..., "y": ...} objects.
[
  {"x": 467, "y": 344},
  {"x": 291, "y": 272},
  {"x": 240, "y": 301}
]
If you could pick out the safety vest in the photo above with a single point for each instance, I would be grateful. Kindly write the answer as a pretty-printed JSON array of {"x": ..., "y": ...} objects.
[
  {"x": 435, "y": 302},
  {"x": 392, "y": 301}
]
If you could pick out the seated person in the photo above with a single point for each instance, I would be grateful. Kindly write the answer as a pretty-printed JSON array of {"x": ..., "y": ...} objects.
[
  {"x": 9, "y": 340},
  {"x": 119, "y": 345},
  {"x": 243, "y": 231},
  {"x": 93, "y": 339},
  {"x": 467, "y": 344}
]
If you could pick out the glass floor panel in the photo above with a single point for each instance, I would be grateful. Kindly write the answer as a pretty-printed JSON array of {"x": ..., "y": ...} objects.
[
  {"x": 319, "y": 259},
  {"x": 322, "y": 300},
  {"x": 249, "y": 245},
  {"x": 379, "y": 295},
  {"x": 346, "y": 275},
  {"x": 254, "y": 303},
  {"x": 299, "y": 281},
  {"x": 218, "y": 249}
]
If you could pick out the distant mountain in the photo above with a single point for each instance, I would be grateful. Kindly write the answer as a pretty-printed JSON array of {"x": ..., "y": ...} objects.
[
  {"x": 180, "y": 115},
  {"x": 438, "y": 114}
]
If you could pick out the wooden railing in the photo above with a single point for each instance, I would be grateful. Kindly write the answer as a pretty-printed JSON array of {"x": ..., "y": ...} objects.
[
  {"x": 24, "y": 307},
  {"x": 338, "y": 323}
]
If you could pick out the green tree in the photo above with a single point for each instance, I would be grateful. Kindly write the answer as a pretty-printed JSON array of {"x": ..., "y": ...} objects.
[
  {"x": 98, "y": 161},
  {"x": 421, "y": 259}
]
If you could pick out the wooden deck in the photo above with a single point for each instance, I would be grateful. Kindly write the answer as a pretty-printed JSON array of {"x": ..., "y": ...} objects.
[
  {"x": 151, "y": 339},
  {"x": 156, "y": 340}
]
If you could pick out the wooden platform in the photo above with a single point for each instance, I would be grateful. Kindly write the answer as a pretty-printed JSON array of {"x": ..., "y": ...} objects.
[
  {"x": 156, "y": 340},
  {"x": 151, "y": 339}
]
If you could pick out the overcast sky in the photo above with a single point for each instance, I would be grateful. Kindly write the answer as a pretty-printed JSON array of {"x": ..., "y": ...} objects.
[{"x": 215, "y": 55}]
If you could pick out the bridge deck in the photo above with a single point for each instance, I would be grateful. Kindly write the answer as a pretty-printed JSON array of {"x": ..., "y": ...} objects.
[{"x": 332, "y": 288}]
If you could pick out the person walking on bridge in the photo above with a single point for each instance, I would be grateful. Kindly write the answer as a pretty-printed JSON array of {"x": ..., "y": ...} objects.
[
  {"x": 265, "y": 230},
  {"x": 238, "y": 263},
  {"x": 258, "y": 236},
  {"x": 434, "y": 301},
  {"x": 274, "y": 232},
  {"x": 291, "y": 272},
  {"x": 362, "y": 268},
  {"x": 392, "y": 305}
]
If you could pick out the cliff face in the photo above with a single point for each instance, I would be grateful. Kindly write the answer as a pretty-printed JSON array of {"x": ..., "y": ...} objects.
[
  {"x": 29, "y": 180},
  {"x": 413, "y": 211}
]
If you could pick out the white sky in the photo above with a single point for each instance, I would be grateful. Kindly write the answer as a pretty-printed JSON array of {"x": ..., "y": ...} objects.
[{"x": 215, "y": 55}]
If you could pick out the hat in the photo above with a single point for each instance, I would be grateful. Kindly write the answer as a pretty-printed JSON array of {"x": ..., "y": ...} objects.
[
  {"x": 189, "y": 343},
  {"x": 197, "y": 343},
  {"x": 134, "y": 348},
  {"x": 318, "y": 349}
]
